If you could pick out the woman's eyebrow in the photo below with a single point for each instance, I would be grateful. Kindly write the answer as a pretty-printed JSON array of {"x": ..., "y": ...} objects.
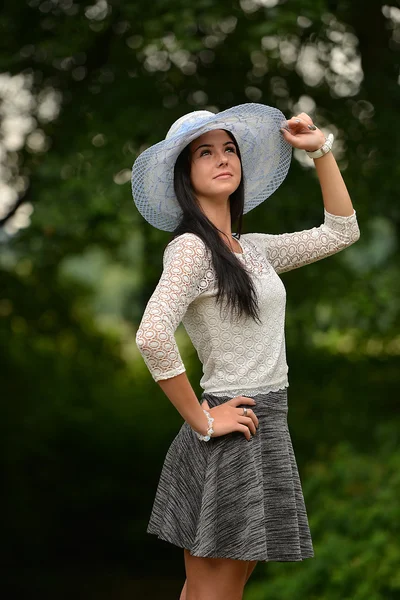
[{"x": 211, "y": 145}]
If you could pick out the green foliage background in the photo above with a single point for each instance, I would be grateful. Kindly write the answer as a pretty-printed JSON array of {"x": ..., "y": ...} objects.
[{"x": 85, "y": 428}]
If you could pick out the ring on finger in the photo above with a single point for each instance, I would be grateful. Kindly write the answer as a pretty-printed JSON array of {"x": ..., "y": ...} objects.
[{"x": 244, "y": 411}]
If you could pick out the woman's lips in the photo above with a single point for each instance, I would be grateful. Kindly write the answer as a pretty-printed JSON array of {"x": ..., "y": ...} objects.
[{"x": 226, "y": 176}]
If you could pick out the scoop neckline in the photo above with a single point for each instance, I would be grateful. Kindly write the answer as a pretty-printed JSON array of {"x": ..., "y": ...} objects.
[{"x": 241, "y": 245}]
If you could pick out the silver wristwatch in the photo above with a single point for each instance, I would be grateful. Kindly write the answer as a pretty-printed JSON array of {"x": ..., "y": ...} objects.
[{"x": 325, "y": 148}]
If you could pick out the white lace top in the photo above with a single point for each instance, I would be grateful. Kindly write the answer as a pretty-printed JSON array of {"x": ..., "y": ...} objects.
[{"x": 240, "y": 357}]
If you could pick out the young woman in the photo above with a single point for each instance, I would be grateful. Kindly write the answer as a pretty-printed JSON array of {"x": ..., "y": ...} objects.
[{"x": 230, "y": 493}]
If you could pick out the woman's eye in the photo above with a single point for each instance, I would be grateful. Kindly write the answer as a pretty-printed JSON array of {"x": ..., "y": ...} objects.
[{"x": 230, "y": 148}]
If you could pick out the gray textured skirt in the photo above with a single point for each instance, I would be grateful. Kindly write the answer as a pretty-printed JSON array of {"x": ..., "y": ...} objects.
[{"x": 233, "y": 498}]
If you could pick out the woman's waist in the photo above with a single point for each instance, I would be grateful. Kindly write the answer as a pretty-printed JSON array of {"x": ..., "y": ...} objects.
[
  {"x": 276, "y": 400},
  {"x": 232, "y": 389}
]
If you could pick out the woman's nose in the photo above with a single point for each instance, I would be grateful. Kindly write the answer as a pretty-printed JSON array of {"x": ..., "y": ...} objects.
[{"x": 223, "y": 159}]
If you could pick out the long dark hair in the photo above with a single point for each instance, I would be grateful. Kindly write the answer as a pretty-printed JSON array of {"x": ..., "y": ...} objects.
[{"x": 234, "y": 283}]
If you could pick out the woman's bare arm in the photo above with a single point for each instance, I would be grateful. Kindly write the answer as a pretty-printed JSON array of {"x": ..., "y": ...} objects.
[
  {"x": 179, "y": 391},
  {"x": 334, "y": 191}
]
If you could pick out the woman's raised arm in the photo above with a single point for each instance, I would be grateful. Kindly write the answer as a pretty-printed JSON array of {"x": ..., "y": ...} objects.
[{"x": 288, "y": 251}]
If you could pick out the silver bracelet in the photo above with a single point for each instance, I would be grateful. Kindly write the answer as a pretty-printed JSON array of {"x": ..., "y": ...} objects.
[
  {"x": 210, "y": 430},
  {"x": 325, "y": 148}
]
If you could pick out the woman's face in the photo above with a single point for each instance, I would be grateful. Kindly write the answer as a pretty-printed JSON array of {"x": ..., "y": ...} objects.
[{"x": 215, "y": 165}]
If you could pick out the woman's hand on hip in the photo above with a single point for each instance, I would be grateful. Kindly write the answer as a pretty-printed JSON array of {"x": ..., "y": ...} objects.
[{"x": 228, "y": 417}]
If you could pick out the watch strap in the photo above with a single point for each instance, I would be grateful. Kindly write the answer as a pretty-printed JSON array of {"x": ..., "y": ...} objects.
[{"x": 325, "y": 148}]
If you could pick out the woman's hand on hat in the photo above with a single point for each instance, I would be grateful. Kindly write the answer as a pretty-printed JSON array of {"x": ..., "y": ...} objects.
[
  {"x": 303, "y": 134},
  {"x": 228, "y": 417}
]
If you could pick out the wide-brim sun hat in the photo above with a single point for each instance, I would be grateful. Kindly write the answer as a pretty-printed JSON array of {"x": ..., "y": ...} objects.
[{"x": 264, "y": 152}]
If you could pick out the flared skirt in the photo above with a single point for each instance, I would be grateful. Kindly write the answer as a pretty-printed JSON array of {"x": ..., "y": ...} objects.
[{"x": 234, "y": 498}]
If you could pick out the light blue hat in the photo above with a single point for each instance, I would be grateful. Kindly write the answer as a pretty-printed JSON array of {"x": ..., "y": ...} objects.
[{"x": 265, "y": 157}]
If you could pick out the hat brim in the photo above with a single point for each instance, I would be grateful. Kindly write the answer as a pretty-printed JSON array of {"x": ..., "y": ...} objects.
[{"x": 265, "y": 154}]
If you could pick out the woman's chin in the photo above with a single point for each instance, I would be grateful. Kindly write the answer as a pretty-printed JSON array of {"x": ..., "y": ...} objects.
[{"x": 227, "y": 185}]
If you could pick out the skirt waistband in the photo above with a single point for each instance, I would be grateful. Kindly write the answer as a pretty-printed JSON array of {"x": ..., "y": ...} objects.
[{"x": 277, "y": 401}]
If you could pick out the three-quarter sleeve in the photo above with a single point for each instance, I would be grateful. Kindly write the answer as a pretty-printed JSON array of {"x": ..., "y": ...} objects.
[
  {"x": 186, "y": 274},
  {"x": 287, "y": 251}
]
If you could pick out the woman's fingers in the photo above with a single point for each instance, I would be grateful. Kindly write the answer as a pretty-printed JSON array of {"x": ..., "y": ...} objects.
[
  {"x": 303, "y": 138},
  {"x": 227, "y": 420},
  {"x": 301, "y": 123},
  {"x": 302, "y": 118},
  {"x": 250, "y": 418},
  {"x": 249, "y": 413},
  {"x": 245, "y": 430},
  {"x": 305, "y": 118},
  {"x": 248, "y": 421},
  {"x": 241, "y": 400},
  {"x": 290, "y": 136}
]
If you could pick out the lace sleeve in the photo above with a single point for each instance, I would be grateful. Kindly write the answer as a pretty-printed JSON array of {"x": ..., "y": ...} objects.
[
  {"x": 186, "y": 274},
  {"x": 287, "y": 251}
]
